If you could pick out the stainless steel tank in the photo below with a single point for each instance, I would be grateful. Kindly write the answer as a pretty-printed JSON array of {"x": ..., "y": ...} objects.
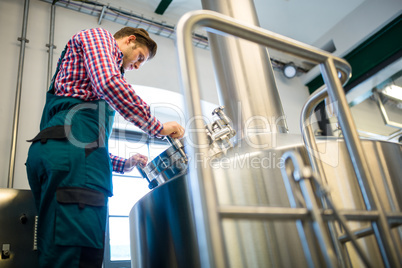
[
  {"x": 275, "y": 199},
  {"x": 259, "y": 226}
]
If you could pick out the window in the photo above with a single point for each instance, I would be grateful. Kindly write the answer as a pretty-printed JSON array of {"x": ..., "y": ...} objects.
[{"x": 128, "y": 188}]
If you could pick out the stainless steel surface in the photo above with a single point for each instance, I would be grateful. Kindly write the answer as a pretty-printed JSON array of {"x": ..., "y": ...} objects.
[
  {"x": 17, "y": 229},
  {"x": 307, "y": 130},
  {"x": 235, "y": 201},
  {"x": 173, "y": 162},
  {"x": 245, "y": 77},
  {"x": 201, "y": 179},
  {"x": 301, "y": 174},
  {"x": 220, "y": 132},
  {"x": 176, "y": 143},
  {"x": 259, "y": 223},
  {"x": 23, "y": 41},
  {"x": 162, "y": 229},
  {"x": 356, "y": 155},
  {"x": 307, "y": 179},
  {"x": 261, "y": 186},
  {"x": 166, "y": 166},
  {"x": 347, "y": 194}
]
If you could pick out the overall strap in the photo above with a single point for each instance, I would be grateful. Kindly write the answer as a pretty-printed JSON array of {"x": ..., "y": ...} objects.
[{"x": 51, "y": 87}]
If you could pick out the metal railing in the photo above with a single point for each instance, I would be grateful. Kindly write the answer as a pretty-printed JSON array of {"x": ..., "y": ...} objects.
[{"x": 335, "y": 71}]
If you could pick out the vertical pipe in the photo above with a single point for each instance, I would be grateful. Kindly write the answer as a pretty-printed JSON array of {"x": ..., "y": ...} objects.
[
  {"x": 23, "y": 41},
  {"x": 246, "y": 82},
  {"x": 365, "y": 180},
  {"x": 51, "y": 46}
]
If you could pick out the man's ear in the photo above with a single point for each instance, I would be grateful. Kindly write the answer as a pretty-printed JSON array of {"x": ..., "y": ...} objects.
[{"x": 131, "y": 38}]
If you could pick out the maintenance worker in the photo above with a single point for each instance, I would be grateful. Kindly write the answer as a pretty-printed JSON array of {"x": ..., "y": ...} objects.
[{"x": 69, "y": 168}]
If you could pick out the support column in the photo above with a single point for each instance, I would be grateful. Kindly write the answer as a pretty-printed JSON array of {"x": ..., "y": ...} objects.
[{"x": 244, "y": 74}]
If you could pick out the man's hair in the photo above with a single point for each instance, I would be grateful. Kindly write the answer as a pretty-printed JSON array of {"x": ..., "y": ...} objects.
[{"x": 142, "y": 37}]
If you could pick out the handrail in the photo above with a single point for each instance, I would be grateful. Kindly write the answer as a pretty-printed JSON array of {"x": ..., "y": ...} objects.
[
  {"x": 370, "y": 196},
  {"x": 201, "y": 179},
  {"x": 307, "y": 130}
]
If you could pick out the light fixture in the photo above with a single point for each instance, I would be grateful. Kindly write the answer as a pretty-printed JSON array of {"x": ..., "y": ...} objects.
[{"x": 289, "y": 70}]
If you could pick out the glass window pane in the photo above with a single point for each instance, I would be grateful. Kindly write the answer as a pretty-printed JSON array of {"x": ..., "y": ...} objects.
[
  {"x": 126, "y": 192},
  {"x": 119, "y": 238},
  {"x": 127, "y": 149}
]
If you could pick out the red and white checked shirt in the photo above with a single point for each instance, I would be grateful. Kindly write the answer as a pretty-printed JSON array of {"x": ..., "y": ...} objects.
[{"x": 90, "y": 70}]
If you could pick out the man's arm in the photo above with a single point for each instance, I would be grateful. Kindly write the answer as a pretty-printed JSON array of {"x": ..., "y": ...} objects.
[{"x": 100, "y": 56}]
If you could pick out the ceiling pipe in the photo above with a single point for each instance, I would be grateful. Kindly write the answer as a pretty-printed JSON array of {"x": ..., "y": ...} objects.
[
  {"x": 23, "y": 41},
  {"x": 118, "y": 15},
  {"x": 163, "y": 5}
]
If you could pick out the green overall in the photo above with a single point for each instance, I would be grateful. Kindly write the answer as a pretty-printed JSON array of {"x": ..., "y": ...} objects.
[{"x": 70, "y": 175}]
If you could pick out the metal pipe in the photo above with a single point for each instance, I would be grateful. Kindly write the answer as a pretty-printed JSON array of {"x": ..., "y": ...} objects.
[
  {"x": 363, "y": 232},
  {"x": 128, "y": 18},
  {"x": 300, "y": 174},
  {"x": 23, "y": 41},
  {"x": 51, "y": 46},
  {"x": 245, "y": 77},
  {"x": 381, "y": 230},
  {"x": 266, "y": 213},
  {"x": 102, "y": 14},
  {"x": 359, "y": 162},
  {"x": 307, "y": 130}
]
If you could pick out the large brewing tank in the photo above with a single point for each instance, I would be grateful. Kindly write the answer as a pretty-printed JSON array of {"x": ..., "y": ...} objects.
[
  {"x": 162, "y": 223},
  {"x": 258, "y": 207}
]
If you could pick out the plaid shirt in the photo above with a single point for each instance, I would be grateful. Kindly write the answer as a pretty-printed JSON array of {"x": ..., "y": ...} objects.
[{"x": 90, "y": 70}]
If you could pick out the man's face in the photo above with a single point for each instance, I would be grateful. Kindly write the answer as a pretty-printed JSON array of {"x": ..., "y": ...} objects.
[{"x": 134, "y": 56}]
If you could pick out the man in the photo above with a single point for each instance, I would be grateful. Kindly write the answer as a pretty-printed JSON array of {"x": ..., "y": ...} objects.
[{"x": 68, "y": 166}]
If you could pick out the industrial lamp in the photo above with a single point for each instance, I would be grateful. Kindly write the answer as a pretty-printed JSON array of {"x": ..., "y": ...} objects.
[{"x": 289, "y": 70}]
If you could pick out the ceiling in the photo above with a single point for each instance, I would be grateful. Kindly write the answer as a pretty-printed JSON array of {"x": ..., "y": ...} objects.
[{"x": 305, "y": 21}]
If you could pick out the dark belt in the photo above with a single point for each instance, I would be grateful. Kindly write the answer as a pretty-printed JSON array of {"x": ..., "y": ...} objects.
[
  {"x": 80, "y": 196},
  {"x": 62, "y": 132},
  {"x": 55, "y": 133}
]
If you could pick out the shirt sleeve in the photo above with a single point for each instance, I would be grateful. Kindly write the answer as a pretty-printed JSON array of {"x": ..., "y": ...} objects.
[
  {"x": 100, "y": 54},
  {"x": 117, "y": 163}
]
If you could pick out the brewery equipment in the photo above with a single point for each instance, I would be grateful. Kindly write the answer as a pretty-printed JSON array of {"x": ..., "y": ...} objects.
[
  {"x": 173, "y": 161},
  {"x": 274, "y": 199}
]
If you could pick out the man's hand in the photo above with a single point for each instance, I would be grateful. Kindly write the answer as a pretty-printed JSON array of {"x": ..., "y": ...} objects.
[
  {"x": 172, "y": 129},
  {"x": 137, "y": 159}
]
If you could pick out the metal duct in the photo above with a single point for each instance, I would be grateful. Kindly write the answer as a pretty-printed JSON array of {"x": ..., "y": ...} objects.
[
  {"x": 23, "y": 41},
  {"x": 245, "y": 78}
]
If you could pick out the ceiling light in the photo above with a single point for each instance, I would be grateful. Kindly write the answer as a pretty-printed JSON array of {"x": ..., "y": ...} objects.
[{"x": 289, "y": 70}]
